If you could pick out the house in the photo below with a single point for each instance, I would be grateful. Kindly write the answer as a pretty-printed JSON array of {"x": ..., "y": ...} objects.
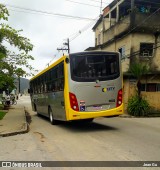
[{"x": 132, "y": 27}]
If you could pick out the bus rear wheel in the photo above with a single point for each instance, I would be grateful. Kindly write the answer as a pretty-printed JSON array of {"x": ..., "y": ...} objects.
[{"x": 52, "y": 120}]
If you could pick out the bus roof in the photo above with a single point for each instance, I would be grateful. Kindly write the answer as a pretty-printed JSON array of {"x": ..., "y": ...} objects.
[{"x": 48, "y": 68}]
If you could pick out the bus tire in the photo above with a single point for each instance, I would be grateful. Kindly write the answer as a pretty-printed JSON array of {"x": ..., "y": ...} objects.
[
  {"x": 35, "y": 109},
  {"x": 52, "y": 120}
]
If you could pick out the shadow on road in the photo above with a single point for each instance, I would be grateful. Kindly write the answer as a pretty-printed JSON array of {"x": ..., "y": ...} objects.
[
  {"x": 80, "y": 126},
  {"x": 86, "y": 127}
]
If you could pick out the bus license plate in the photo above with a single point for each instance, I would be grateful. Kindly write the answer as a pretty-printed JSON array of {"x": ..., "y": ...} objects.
[{"x": 97, "y": 108}]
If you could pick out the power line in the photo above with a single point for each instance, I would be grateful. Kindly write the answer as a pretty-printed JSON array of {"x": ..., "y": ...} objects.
[
  {"x": 74, "y": 36},
  {"x": 67, "y": 46},
  {"x": 99, "y": 2},
  {"x": 101, "y": 8},
  {"x": 48, "y": 13},
  {"x": 83, "y": 3},
  {"x": 151, "y": 2}
]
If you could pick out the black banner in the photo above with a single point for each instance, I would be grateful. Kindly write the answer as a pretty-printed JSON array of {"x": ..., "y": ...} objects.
[{"x": 39, "y": 164}]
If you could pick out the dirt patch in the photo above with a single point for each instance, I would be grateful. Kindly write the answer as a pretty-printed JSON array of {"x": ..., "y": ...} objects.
[{"x": 41, "y": 136}]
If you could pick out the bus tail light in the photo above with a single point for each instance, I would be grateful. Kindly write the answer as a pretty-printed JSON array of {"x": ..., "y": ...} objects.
[
  {"x": 119, "y": 98},
  {"x": 73, "y": 102}
]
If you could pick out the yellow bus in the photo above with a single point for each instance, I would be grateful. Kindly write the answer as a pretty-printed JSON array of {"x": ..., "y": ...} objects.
[{"x": 80, "y": 86}]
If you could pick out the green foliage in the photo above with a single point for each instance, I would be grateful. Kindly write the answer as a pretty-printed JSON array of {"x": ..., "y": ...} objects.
[
  {"x": 138, "y": 70},
  {"x": 138, "y": 106},
  {"x": 1, "y": 106},
  {"x": 13, "y": 63},
  {"x": 2, "y": 114},
  {"x": 3, "y": 12}
]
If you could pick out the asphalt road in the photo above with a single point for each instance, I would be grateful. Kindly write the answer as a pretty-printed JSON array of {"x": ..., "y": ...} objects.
[{"x": 105, "y": 139}]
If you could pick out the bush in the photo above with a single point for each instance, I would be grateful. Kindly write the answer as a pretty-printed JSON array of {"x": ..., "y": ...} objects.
[
  {"x": 2, "y": 114},
  {"x": 1, "y": 106},
  {"x": 138, "y": 106}
]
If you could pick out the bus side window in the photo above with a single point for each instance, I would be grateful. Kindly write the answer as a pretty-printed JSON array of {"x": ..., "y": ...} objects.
[{"x": 53, "y": 86}]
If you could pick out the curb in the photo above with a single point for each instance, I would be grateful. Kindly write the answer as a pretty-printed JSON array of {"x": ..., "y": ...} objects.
[
  {"x": 25, "y": 126},
  {"x": 126, "y": 116},
  {"x": 129, "y": 116}
]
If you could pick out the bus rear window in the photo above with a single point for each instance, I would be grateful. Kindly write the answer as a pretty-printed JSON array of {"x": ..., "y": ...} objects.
[{"x": 90, "y": 67}]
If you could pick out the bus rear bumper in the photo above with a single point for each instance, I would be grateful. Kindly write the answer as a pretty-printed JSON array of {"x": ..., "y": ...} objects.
[{"x": 74, "y": 115}]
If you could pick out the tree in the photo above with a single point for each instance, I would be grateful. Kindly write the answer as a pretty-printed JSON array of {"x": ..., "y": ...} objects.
[
  {"x": 138, "y": 70},
  {"x": 137, "y": 106},
  {"x": 12, "y": 63}
]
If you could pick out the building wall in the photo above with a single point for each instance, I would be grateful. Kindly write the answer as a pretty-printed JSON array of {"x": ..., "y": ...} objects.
[
  {"x": 115, "y": 46},
  {"x": 154, "y": 61},
  {"x": 107, "y": 23},
  {"x": 129, "y": 36},
  {"x": 137, "y": 38},
  {"x": 156, "y": 58},
  {"x": 99, "y": 34},
  {"x": 132, "y": 44},
  {"x": 153, "y": 98},
  {"x": 116, "y": 29}
]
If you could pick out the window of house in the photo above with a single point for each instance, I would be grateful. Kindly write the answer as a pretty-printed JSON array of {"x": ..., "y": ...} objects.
[
  {"x": 158, "y": 87},
  {"x": 146, "y": 49},
  {"x": 122, "y": 52},
  {"x": 151, "y": 87},
  {"x": 143, "y": 87}
]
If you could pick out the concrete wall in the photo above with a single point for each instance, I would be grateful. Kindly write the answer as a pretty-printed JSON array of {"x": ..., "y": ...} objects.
[
  {"x": 153, "y": 98},
  {"x": 116, "y": 29},
  {"x": 99, "y": 30},
  {"x": 126, "y": 43}
]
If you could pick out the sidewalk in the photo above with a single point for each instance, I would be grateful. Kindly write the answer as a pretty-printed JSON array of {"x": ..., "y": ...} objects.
[{"x": 14, "y": 121}]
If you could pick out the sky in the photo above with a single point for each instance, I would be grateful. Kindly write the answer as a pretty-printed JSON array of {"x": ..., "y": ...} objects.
[{"x": 48, "y": 31}]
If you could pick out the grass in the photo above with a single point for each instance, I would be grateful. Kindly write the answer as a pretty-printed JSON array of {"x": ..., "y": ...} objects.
[{"x": 2, "y": 114}]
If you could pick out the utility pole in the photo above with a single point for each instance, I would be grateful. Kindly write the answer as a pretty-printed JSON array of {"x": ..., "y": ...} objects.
[
  {"x": 132, "y": 13},
  {"x": 132, "y": 5},
  {"x": 65, "y": 49},
  {"x": 101, "y": 8}
]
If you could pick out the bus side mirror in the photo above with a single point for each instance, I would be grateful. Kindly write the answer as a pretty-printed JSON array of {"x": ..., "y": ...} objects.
[
  {"x": 29, "y": 91},
  {"x": 67, "y": 60}
]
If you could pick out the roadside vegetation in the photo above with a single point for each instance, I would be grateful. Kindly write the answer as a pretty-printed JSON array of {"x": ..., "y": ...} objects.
[
  {"x": 15, "y": 62},
  {"x": 14, "y": 56},
  {"x": 2, "y": 114},
  {"x": 137, "y": 105}
]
